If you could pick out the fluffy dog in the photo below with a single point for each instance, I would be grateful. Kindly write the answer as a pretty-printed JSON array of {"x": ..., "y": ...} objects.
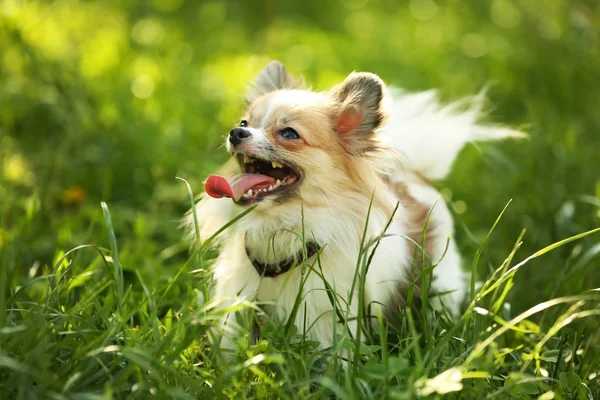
[{"x": 333, "y": 176}]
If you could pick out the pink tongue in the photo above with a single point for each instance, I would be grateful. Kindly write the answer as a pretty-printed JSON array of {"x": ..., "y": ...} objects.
[{"x": 216, "y": 186}]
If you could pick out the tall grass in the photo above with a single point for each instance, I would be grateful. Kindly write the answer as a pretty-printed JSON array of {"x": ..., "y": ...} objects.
[{"x": 79, "y": 330}]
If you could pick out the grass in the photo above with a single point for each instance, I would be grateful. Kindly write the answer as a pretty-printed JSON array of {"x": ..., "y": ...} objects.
[
  {"x": 79, "y": 330},
  {"x": 110, "y": 101}
]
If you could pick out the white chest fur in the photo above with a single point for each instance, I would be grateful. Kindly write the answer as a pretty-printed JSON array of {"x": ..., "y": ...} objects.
[{"x": 340, "y": 238}]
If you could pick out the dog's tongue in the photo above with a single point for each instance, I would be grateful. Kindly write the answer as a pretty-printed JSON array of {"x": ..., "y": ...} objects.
[{"x": 216, "y": 186}]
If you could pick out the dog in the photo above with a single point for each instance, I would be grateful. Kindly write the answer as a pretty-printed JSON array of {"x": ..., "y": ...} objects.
[{"x": 337, "y": 177}]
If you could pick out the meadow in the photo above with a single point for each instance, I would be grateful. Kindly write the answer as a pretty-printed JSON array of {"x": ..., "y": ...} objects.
[{"x": 103, "y": 104}]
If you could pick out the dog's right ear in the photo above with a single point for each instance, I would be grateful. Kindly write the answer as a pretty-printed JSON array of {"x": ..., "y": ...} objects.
[
  {"x": 358, "y": 111},
  {"x": 273, "y": 77}
]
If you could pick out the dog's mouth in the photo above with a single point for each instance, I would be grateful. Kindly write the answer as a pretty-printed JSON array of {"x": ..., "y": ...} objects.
[{"x": 260, "y": 179}]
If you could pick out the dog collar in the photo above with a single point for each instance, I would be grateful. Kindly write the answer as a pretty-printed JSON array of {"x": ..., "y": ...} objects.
[{"x": 273, "y": 270}]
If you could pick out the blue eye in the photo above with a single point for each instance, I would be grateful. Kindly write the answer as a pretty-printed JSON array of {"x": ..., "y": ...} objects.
[{"x": 289, "y": 133}]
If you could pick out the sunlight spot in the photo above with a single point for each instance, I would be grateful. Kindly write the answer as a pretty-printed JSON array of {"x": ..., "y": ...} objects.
[
  {"x": 569, "y": 355},
  {"x": 474, "y": 45},
  {"x": 460, "y": 207},
  {"x": 16, "y": 169},
  {"x": 429, "y": 34},
  {"x": 446, "y": 194},
  {"x": 567, "y": 211},
  {"x": 446, "y": 382},
  {"x": 547, "y": 396},
  {"x": 481, "y": 311},
  {"x": 8, "y": 7},
  {"x": 505, "y": 14},
  {"x": 549, "y": 29},
  {"x": 146, "y": 66},
  {"x": 34, "y": 269},
  {"x": 101, "y": 52},
  {"x": 147, "y": 31},
  {"x": 580, "y": 20},
  {"x": 423, "y": 10},
  {"x": 142, "y": 87},
  {"x": 50, "y": 37},
  {"x": 13, "y": 60}
]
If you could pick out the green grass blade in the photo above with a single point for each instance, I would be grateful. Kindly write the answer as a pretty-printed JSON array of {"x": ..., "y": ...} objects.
[
  {"x": 194, "y": 212},
  {"x": 208, "y": 241},
  {"x": 118, "y": 270},
  {"x": 479, "y": 251}
]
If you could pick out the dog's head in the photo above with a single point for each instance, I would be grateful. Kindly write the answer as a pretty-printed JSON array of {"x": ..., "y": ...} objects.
[{"x": 294, "y": 144}]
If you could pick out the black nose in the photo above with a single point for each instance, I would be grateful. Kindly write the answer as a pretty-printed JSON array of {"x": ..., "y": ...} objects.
[{"x": 236, "y": 135}]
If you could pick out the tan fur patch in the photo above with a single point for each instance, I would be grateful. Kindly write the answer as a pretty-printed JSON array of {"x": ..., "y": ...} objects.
[{"x": 417, "y": 214}]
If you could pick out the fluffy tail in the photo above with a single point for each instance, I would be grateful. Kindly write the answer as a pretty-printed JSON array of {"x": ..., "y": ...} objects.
[{"x": 429, "y": 135}]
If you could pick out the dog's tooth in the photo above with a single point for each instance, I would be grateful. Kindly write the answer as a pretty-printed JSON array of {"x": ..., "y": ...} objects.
[
  {"x": 275, "y": 164},
  {"x": 277, "y": 184},
  {"x": 249, "y": 192},
  {"x": 271, "y": 188},
  {"x": 246, "y": 159}
]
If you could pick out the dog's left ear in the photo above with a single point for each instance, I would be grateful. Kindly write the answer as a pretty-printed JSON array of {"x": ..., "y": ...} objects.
[
  {"x": 358, "y": 110},
  {"x": 271, "y": 78}
]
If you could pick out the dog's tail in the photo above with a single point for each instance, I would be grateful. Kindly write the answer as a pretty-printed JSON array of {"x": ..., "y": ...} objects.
[{"x": 429, "y": 136}]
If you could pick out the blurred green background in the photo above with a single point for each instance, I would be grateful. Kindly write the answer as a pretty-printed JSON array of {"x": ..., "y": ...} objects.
[{"x": 110, "y": 100}]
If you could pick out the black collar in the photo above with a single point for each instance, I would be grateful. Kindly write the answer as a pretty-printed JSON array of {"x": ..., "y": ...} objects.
[{"x": 273, "y": 270}]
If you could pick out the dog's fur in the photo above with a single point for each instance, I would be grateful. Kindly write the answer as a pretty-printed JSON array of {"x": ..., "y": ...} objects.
[{"x": 361, "y": 144}]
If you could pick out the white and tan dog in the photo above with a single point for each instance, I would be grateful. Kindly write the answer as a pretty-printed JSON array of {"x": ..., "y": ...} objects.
[{"x": 314, "y": 163}]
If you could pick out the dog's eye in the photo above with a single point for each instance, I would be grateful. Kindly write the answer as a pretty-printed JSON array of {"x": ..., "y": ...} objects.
[
  {"x": 243, "y": 123},
  {"x": 289, "y": 133}
]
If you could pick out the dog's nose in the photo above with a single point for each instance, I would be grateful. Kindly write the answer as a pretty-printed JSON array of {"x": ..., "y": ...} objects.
[{"x": 237, "y": 135}]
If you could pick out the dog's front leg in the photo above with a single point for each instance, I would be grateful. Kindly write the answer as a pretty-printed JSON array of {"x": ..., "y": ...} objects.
[{"x": 236, "y": 286}]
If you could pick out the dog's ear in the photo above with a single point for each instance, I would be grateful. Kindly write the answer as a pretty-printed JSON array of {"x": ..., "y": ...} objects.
[
  {"x": 272, "y": 77},
  {"x": 358, "y": 110}
]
